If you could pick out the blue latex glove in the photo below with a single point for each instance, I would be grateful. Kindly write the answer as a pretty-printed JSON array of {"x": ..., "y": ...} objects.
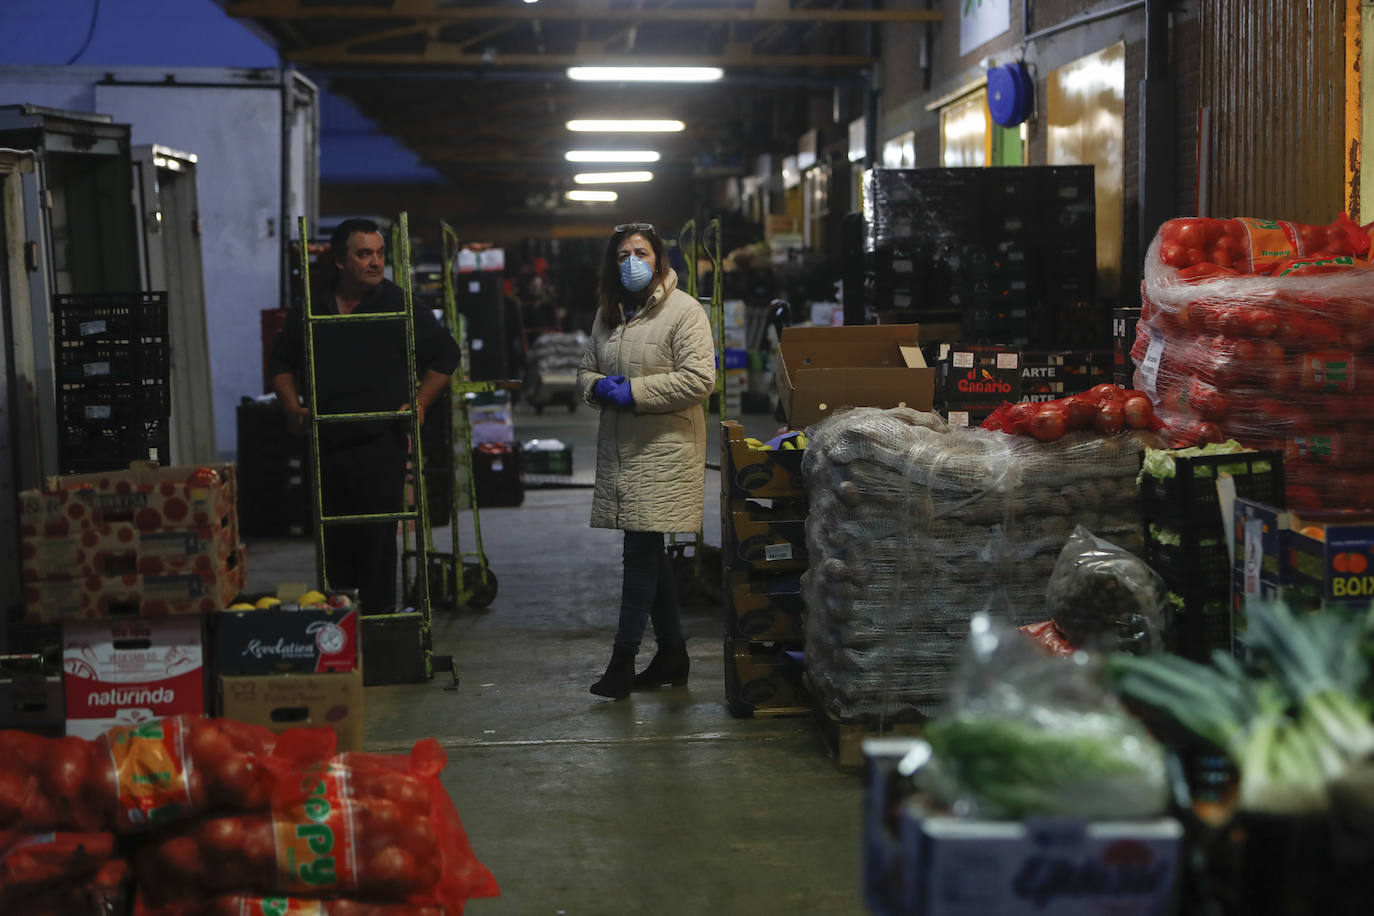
[
  {"x": 620, "y": 395},
  {"x": 602, "y": 389}
]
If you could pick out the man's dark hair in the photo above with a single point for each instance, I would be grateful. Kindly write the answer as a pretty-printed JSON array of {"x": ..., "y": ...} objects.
[{"x": 338, "y": 242}]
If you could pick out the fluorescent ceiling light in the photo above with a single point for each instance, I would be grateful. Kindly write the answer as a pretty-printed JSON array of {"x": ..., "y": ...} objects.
[
  {"x": 611, "y": 155},
  {"x": 647, "y": 74},
  {"x": 589, "y": 196},
  {"x": 640, "y": 125},
  {"x": 611, "y": 177}
]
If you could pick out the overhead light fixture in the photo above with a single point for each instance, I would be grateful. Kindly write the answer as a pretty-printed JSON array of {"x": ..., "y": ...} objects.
[
  {"x": 611, "y": 177},
  {"x": 639, "y": 125},
  {"x": 647, "y": 74},
  {"x": 611, "y": 155},
  {"x": 592, "y": 196}
]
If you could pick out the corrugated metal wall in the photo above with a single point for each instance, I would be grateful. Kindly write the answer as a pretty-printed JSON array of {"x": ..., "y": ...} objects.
[{"x": 1273, "y": 84}]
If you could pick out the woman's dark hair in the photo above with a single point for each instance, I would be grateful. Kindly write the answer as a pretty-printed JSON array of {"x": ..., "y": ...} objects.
[
  {"x": 338, "y": 242},
  {"x": 609, "y": 292}
]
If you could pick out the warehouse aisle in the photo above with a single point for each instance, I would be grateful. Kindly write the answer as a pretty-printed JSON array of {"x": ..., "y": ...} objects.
[{"x": 661, "y": 803}]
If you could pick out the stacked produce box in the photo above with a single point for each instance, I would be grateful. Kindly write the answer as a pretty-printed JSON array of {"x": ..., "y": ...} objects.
[
  {"x": 113, "y": 363},
  {"x": 212, "y": 816},
  {"x": 1008, "y": 253},
  {"x": 274, "y": 473},
  {"x": 1185, "y": 537},
  {"x": 974, "y": 381},
  {"x": 763, "y": 519},
  {"x": 1256, "y": 330},
  {"x": 122, "y": 566},
  {"x": 915, "y": 524}
]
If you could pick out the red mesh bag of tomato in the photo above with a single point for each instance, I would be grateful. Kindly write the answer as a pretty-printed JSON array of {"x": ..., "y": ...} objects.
[
  {"x": 106, "y": 890},
  {"x": 249, "y": 905},
  {"x": 1105, "y": 409},
  {"x": 159, "y": 772},
  {"x": 378, "y": 828},
  {"x": 47, "y": 784},
  {"x": 1199, "y": 247},
  {"x": 33, "y": 864}
]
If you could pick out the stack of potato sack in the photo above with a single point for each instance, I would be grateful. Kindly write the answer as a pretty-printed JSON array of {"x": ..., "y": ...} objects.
[
  {"x": 214, "y": 816},
  {"x": 1257, "y": 330},
  {"x": 916, "y": 525}
]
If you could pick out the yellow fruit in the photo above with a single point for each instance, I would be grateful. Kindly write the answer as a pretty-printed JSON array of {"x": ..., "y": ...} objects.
[
  {"x": 788, "y": 445},
  {"x": 311, "y": 597},
  {"x": 267, "y": 602},
  {"x": 756, "y": 445},
  {"x": 242, "y": 606}
]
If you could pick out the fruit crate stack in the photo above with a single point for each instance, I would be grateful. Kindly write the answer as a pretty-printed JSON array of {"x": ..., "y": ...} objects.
[
  {"x": 1185, "y": 542},
  {"x": 119, "y": 569},
  {"x": 113, "y": 363},
  {"x": 763, "y": 544},
  {"x": 274, "y": 474},
  {"x": 1008, "y": 253},
  {"x": 1047, "y": 375}
]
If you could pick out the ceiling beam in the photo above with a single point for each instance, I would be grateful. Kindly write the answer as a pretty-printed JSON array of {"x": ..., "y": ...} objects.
[
  {"x": 453, "y": 55},
  {"x": 763, "y": 11}
]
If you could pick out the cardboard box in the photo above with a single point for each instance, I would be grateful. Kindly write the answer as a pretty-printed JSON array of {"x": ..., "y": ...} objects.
[
  {"x": 758, "y": 680},
  {"x": 1309, "y": 560},
  {"x": 274, "y": 641},
  {"x": 963, "y": 867},
  {"x": 772, "y": 474},
  {"x": 129, "y": 671},
  {"x": 148, "y": 497},
  {"x": 94, "y": 598},
  {"x": 282, "y": 701},
  {"x": 822, "y": 369},
  {"x": 763, "y": 538},
  {"x": 121, "y": 549},
  {"x": 979, "y": 375},
  {"x": 764, "y": 608}
]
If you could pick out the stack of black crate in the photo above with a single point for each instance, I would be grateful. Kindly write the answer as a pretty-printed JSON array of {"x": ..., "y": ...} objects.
[
  {"x": 763, "y": 546},
  {"x": 112, "y": 365},
  {"x": 1008, "y": 253},
  {"x": 1185, "y": 542},
  {"x": 274, "y": 474}
]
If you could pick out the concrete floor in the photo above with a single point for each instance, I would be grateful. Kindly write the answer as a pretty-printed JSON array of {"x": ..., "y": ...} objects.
[{"x": 661, "y": 803}]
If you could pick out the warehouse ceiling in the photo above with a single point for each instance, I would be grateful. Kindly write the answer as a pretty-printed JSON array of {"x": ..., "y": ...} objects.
[{"x": 478, "y": 88}]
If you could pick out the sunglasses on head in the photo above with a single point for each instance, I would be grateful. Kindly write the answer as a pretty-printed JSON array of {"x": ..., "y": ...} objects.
[{"x": 636, "y": 227}]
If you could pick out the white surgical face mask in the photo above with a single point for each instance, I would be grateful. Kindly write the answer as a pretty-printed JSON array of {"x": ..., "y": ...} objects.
[{"x": 635, "y": 274}]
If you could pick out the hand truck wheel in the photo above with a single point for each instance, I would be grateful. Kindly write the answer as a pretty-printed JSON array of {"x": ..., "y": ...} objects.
[{"x": 479, "y": 593}]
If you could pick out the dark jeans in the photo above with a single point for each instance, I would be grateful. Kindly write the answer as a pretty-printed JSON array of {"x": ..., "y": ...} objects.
[
  {"x": 362, "y": 478},
  {"x": 649, "y": 591}
]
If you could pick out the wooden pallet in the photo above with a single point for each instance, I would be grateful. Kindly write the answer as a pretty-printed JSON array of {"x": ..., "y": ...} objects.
[{"x": 844, "y": 741}]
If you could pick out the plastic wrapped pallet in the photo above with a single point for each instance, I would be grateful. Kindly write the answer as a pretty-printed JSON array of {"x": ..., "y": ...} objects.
[
  {"x": 1259, "y": 331},
  {"x": 916, "y": 525},
  {"x": 558, "y": 354}
]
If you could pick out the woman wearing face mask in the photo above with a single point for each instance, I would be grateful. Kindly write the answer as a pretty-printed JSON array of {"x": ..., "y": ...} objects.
[{"x": 649, "y": 368}]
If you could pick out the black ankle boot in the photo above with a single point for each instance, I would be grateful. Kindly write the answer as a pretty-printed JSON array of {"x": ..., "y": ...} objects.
[
  {"x": 620, "y": 674},
  {"x": 669, "y": 666}
]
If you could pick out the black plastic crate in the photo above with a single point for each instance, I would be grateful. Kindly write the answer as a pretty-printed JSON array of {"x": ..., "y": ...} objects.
[
  {"x": 1198, "y": 562},
  {"x": 112, "y": 362},
  {"x": 110, "y": 317},
  {"x": 1191, "y": 495},
  {"x": 1199, "y": 623},
  {"x": 91, "y": 447},
  {"x": 496, "y": 474},
  {"x": 113, "y": 403}
]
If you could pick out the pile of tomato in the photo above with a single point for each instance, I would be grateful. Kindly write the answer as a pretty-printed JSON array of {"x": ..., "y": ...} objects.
[
  {"x": 1272, "y": 347},
  {"x": 1105, "y": 409}
]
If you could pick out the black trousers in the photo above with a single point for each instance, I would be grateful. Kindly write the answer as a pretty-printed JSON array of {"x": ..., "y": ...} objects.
[{"x": 362, "y": 478}]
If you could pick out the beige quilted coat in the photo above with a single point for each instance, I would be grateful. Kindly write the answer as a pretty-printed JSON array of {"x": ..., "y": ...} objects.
[{"x": 651, "y": 461}]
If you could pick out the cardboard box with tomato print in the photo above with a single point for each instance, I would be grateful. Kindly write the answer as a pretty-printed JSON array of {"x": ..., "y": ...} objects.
[
  {"x": 128, "y": 671},
  {"x": 134, "y": 595},
  {"x": 121, "y": 549},
  {"x": 146, "y": 496}
]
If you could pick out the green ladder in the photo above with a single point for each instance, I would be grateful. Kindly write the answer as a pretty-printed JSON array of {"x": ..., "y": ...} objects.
[{"x": 397, "y": 648}]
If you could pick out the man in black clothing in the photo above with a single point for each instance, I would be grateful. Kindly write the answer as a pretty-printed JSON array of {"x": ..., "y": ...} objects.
[{"x": 361, "y": 367}]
